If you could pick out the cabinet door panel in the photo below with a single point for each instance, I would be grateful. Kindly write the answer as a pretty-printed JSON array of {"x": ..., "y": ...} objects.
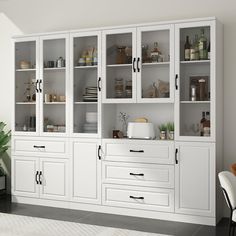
[
  {"x": 54, "y": 179},
  {"x": 86, "y": 172},
  {"x": 24, "y": 171},
  {"x": 195, "y": 179}
]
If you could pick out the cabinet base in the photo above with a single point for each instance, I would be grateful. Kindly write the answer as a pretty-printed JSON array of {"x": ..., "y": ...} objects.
[{"x": 117, "y": 210}]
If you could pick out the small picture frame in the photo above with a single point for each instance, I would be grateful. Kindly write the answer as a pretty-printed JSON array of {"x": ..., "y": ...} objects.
[{"x": 200, "y": 95}]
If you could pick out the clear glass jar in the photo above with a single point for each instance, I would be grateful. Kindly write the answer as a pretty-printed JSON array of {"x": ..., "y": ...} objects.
[
  {"x": 128, "y": 88},
  {"x": 119, "y": 87}
]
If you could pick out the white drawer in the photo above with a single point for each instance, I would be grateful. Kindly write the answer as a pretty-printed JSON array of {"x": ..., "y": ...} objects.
[
  {"x": 49, "y": 146},
  {"x": 150, "y": 175},
  {"x": 154, "y": 199},
  {"x": 142, "y": 151}
]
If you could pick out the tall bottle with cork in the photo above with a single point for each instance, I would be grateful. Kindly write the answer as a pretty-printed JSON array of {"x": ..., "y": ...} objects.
[
  {"x": 202, "y": 44},
  {"x": 187, "y": 49}
]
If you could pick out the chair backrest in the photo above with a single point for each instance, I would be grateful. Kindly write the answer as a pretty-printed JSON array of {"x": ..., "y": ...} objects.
[{"x": 228, "y": 183}]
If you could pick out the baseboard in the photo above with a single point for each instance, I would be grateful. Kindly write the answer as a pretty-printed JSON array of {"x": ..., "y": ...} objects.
[{"x": 117, "y": 210}]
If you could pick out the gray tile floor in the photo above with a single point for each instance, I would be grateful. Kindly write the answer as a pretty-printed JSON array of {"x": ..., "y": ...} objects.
[{"x": 132, "y": 223}]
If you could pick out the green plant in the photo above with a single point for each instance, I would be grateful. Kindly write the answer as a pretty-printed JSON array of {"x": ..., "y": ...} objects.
[
  {"x": 162, "y": 127},
  {"x": 4, "y": 138},
  {"x": 170, "y": 126}
]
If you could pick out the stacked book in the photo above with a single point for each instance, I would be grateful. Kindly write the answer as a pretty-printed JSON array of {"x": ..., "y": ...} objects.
[{"x": 91, "y": 94}]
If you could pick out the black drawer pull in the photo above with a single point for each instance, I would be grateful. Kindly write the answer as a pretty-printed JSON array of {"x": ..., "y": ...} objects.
[
  {"x": 40, "y": 175},
  {"x": 136, "y": 151},
  {"x": 36, "y": 146},
  {"x": 136, "y": 174},
  {"x": 134, "y": 69},
  {"x": 139, "y": 198}
]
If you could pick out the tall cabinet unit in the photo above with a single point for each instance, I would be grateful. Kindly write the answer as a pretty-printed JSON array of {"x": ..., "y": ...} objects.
[{"x": 72, "y": 90}]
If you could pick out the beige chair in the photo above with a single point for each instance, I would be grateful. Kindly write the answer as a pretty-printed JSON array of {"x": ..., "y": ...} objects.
[{"x": 228, "y": 185}]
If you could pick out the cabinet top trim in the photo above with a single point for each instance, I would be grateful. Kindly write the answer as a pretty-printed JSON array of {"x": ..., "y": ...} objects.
[{"x": 213, "y": 18}]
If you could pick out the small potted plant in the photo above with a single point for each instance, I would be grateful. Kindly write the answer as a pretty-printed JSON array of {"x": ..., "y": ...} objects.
[
  {"x": 171, "y": 128},
  {"x": 4, "y": 139},
  {"x": 163, "y": 130}
]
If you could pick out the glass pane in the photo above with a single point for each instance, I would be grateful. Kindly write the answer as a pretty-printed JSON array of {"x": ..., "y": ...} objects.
[
  {"x": 25, "y": 80},
  {"x": 119, "y": 66},
  {"x": 54, "y": 85},
  {"x": 85, "y": 84},
  {"x": 155, "y": 64},
  {"x": 195, "y": 84}
]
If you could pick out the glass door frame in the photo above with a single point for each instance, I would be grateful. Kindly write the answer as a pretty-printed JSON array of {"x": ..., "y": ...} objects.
[
  {"x": 140, "y": 30},
  {"x": 37, "y": 104},
  {"x": 42, "y": 39},
  {"x": 74, "y": 35},
  {"x": 212, "y": 64},
  {"x": 105, "y": 33}
]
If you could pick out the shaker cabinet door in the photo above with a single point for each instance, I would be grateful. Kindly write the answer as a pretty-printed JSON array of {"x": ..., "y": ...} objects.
[{"x": 195, "y": 179}]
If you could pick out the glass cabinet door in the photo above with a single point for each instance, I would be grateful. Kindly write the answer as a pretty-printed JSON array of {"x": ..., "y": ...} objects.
[
  {"x": 26, "y": 79},
  {"x": 194, "y": 67},
  {"x": 155, "y": 70},
  {"x": 85, "y": 71},
  {"x": 119, "y": 66},
  {"x": 53, "y": 85}
]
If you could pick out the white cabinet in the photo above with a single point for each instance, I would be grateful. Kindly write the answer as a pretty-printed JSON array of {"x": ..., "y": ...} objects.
[
  {"x": 45, "y": 178},
  {"x": 41, "y": 85},
  {"x": 195, "y": 178},
  {"x": 86, "y": 171},
  {"x": 130, "y": 71},
  {"x": 24, "y": 178}
]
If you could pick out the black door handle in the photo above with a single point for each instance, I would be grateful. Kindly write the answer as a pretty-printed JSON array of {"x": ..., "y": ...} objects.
[
  {"x": 40, "y": 180},
  {"x": 36, "y": 87},
  {"x": 40, "y": 89},
  {"x": 140, "y": 198},
  {"x": 36, "y": 177},
  {"x": 136, "y": 174},
  {"x": 99, "y": 152},
  {"x": 134, "y": 69},
  {"x": 176, "y": 156},
  {"x": 99, "y": 84},
  {"x": 136, "y": 151},
  {"x": 176, "y": 82},
  {"x": 138, "y": 68}
]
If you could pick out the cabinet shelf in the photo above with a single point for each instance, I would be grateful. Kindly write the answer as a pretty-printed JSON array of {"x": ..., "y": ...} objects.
[
  {"x": 195, "y": 62},
  {"x": 25, "y": 70},
  {"x": 25, "y": 103},
  {"x": 166, "y": 63},
  {"x": 85, "y": 67},
  {"x": 55, "y": 68},
  {"x": 195, "y": 102},
  {"x": 54, "y": 103},
  {"x": 119, "y": 65},
  {"x": 77, "y": 103}
]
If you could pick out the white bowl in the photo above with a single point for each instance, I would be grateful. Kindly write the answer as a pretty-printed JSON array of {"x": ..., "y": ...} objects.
[{"x": 91, "y": 117}]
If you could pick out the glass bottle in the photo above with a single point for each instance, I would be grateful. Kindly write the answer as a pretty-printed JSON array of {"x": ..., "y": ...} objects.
[
  {"x": 202, "y": 123},
  {"x": 187, "y": 49},
  {"x": 196, "y": 47},
  {"x": 209, "y": 51},
  {"x": 202, "y": 89},
  {"x": 202, "y": 44},
  {"x": 128, "y": 88},
  {"x": 155, "y": 53},
  {"x": 192, "y": 51},
  {"x": 207, "y": 125},
  {"x": 119, "y": 88}
]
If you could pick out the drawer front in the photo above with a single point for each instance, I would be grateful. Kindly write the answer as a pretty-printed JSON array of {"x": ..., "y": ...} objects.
[
  {"x": 138, "y": 174},
  {"x": 160, "y": 152},
  {"x": 153, "y": 199},
  {"x": 40, "y": 147}
]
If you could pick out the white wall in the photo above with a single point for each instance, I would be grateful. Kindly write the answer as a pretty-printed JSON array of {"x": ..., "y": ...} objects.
[
  {"x": 40, "y": 16},
  {"x": 7, "y": 30}
]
